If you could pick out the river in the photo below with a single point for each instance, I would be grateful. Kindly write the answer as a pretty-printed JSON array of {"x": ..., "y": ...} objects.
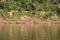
[{"x": 29, "y": 32}]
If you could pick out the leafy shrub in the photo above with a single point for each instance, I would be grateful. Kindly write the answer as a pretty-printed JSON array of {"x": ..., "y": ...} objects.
[
  {"x": 29, "y": 14},
  {"x": 12, "y": 5},
  {"x": 40, "y": 1},
  {"x": 1, "y": 11},
  {"x": 1, "y": 6},
  {"x": 52, "y": 7},
  {"x": 58, "y": 11},
  {"x": 23, "y": 5}
]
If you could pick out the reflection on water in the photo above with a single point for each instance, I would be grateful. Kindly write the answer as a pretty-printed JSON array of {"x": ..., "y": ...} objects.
[{"x": 29, "y": 32}]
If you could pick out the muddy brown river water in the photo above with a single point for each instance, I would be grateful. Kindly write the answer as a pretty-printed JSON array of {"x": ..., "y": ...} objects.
[{"x": 29, "y": 32}]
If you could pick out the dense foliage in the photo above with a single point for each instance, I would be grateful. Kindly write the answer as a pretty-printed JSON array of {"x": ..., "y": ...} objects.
[{"x": 45, "y": 9}]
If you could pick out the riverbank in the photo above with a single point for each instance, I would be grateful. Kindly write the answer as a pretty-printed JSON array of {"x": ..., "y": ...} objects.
[{"x": 30, "y": 22}]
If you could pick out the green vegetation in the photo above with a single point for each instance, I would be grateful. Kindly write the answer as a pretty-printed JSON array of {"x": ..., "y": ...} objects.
[{"x": 42, "y": 9}]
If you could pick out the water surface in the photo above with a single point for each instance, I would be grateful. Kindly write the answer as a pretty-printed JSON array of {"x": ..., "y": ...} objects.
[{"x": 29, "y": 32}]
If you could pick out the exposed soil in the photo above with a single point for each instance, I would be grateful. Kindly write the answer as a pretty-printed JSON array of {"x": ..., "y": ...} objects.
[{"x": 28, "y": 20}]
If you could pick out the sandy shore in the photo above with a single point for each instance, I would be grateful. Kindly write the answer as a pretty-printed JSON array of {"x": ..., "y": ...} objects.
[{"x": 30, "y": 22}]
